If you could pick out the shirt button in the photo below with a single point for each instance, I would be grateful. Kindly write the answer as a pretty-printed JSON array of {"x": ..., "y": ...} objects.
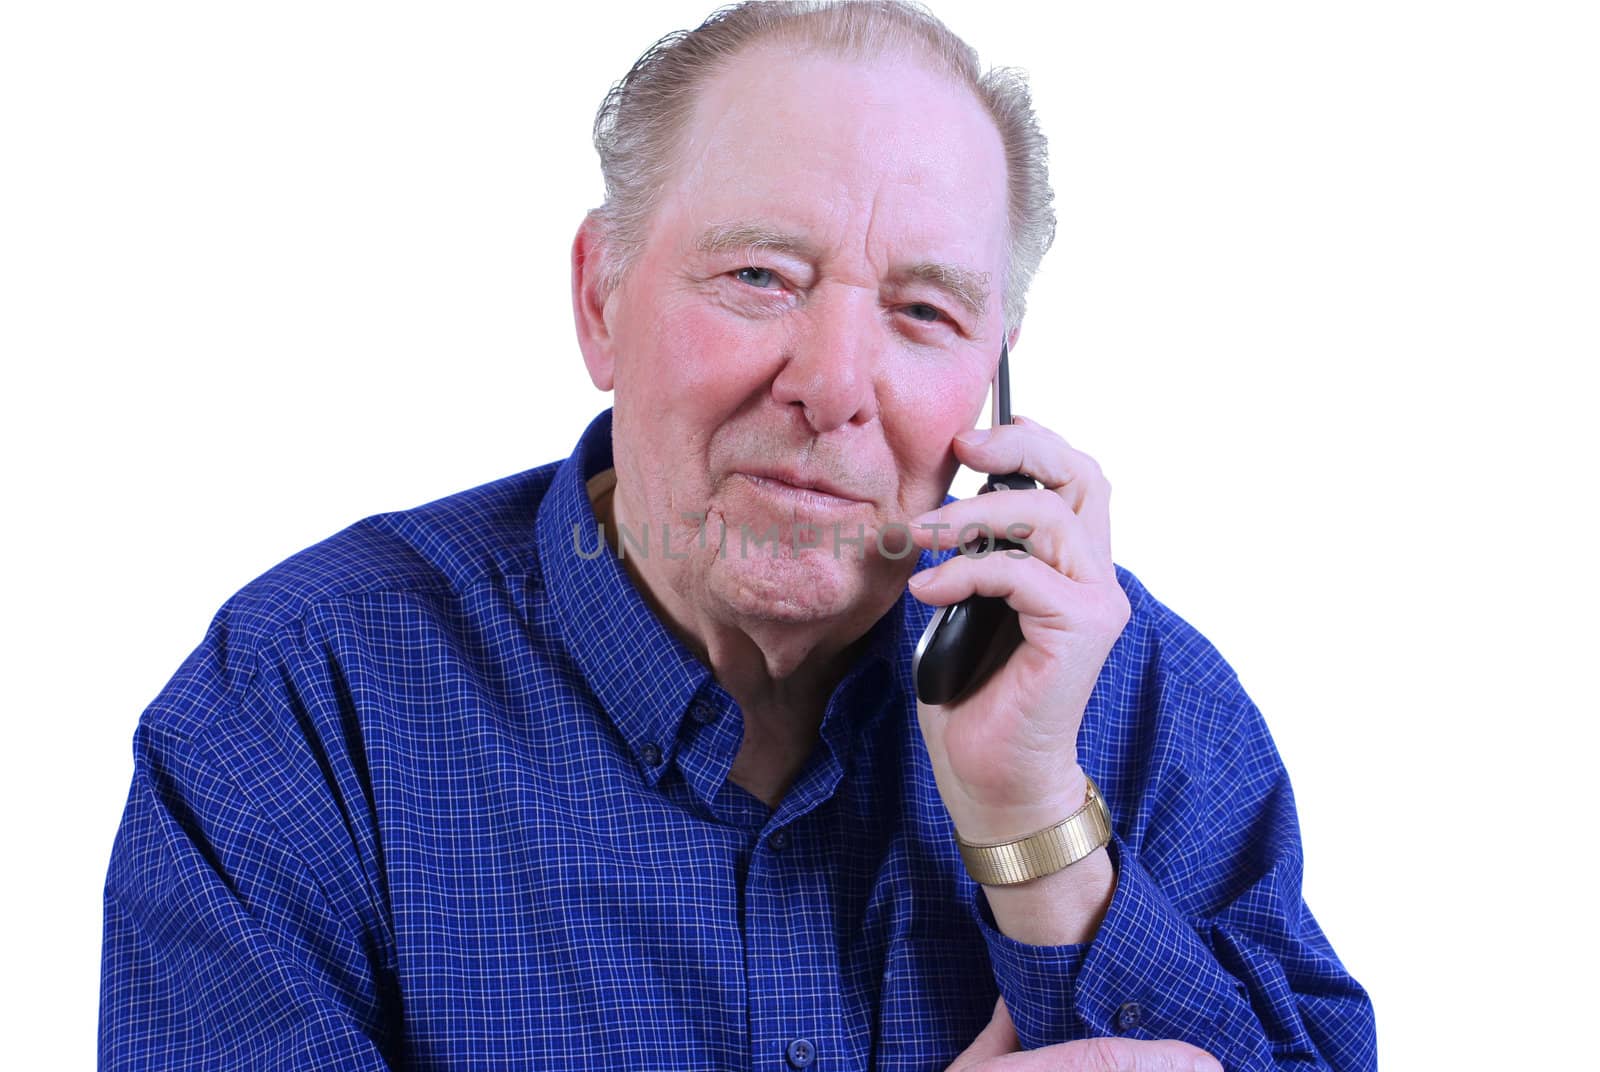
[
  {"x": 703, "y": 713},
  {"x": 1129, "y": 1017},
  {"x": 651, "y": 755},
  {"x": 801, "y": 1053},
  {"x": 780, "y": 841}
]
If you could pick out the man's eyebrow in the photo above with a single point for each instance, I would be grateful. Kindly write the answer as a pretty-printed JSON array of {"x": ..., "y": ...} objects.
[
  {"x": 969, "y": 288},
  {"x": 966, "y": 286},
  {"x": 736, "y": 237}
]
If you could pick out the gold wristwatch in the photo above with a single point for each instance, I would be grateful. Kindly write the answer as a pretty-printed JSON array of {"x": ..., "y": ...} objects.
[{"x": 1008, "y": 863}]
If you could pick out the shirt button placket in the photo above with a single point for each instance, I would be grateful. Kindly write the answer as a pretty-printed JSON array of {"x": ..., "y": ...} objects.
[{"x": 792, "y": 963}]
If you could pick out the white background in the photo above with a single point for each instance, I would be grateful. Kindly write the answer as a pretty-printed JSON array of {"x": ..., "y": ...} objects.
[{"x": 1323, "y": 304}]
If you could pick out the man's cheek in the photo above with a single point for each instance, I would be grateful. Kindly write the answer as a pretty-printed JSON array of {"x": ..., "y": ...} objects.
[
  {"x": 936, "y": 407},
  {"x": 711, "y": 352}
]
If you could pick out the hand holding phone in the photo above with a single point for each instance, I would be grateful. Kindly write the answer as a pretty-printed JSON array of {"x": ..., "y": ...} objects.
[{"x": 1006, "y": 669}]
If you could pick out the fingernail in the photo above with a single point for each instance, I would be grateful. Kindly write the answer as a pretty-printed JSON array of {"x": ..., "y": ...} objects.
[
  {"x": 918, "y": 580},
  {"x": 922, "y": 521},
  {"x": 972, "y": 437}
]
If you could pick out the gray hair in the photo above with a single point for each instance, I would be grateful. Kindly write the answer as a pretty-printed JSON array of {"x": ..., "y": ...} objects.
[{"x": 640, "y": 124}]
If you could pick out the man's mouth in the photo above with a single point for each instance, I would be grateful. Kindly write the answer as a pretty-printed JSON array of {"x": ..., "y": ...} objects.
[{"x": 802, "y": 489}]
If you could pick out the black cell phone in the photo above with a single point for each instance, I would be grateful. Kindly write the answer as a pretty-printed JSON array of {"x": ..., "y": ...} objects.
[{"x": 965, "y": 642}]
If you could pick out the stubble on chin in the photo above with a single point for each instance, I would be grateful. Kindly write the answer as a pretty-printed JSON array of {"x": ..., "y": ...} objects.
[{"x": 734, "y": 578}]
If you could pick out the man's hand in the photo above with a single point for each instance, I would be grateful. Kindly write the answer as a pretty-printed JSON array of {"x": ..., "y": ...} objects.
[
  {"x": 996, "y": 1050},
  {"x": 1006, "y": 755}
]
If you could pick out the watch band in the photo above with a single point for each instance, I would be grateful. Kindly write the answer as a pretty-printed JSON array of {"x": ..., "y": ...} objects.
[{"x": 1008, "y": 863}]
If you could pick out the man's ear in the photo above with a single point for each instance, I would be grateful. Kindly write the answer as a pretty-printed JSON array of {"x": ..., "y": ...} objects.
[
  {"x": 589, "y": 303},
  {"x": 1012, "y": 336}
]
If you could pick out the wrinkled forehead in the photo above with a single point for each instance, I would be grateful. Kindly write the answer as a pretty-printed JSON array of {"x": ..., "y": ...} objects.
[{"x": 851, "y": 142}]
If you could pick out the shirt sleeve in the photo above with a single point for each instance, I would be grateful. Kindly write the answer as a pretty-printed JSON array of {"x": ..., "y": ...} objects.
[
  {"x": 1207, "y": 938},
  {"x": 222, "y": 948}
]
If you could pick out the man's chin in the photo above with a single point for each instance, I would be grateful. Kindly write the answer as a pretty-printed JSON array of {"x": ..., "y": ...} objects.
[{"x": 805, "y": 586}]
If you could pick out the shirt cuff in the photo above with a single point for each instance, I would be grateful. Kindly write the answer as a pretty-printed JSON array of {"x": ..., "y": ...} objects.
[{"x": 1146, "y": 974}]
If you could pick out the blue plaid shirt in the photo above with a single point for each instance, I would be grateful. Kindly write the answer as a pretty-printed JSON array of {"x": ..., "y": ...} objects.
[{"x": 442, "y": 793}]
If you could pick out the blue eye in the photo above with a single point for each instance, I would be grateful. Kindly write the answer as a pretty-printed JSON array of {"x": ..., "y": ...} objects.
[
  {"x": 756, "y": 277},
  {"x": 921, "y": 311}
]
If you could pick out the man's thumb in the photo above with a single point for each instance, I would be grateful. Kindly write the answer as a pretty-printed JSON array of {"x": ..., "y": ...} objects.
[{"x": 1000, "y": 1037}]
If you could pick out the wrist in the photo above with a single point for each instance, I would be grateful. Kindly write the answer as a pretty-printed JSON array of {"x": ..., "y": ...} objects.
[
  {"x": 1065, "y": 908},
  {"x": 1046, "y": 851},
  {"x": 988, "y": 822}
]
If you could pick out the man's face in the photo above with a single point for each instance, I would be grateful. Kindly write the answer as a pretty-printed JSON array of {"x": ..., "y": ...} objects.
[{"x": 815, "y": 314}]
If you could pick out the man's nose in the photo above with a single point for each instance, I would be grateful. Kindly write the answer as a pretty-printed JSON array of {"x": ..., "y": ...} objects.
[{"x": 831, "y": 365}]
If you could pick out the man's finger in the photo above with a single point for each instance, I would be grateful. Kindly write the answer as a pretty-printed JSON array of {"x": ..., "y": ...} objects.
[
  {"x": 1038, "y": 519},
  {"x": 1126, "y": 1055},
  {"x": 1047, "y": 600},
  {"x": 1099, "y": 1055},
  {"x": 1031, "y": 448}
]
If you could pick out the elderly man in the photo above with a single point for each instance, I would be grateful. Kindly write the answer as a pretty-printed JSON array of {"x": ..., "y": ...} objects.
[{"x": 466, "y": 787}]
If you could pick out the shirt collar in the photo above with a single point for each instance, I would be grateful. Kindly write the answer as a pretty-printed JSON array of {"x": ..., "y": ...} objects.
[{"x": 641, "y": 674}]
